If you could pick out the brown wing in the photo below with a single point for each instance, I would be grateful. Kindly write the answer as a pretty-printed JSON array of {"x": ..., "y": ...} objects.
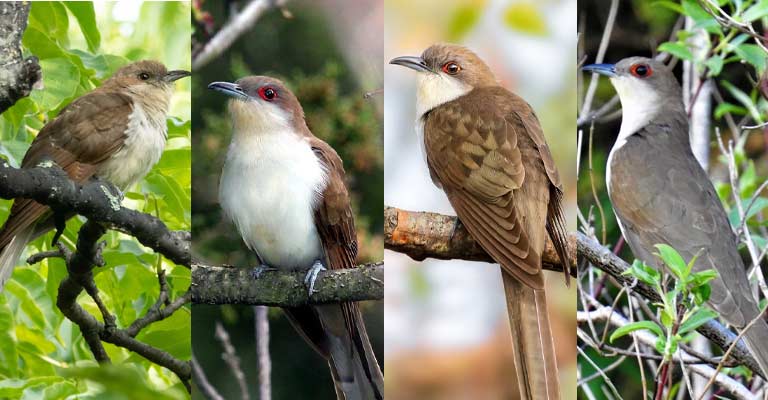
[
  {"x": 556, "y": 223},
  {"x": 83, "y": 135},
  {"x": 473, "y": 150}
]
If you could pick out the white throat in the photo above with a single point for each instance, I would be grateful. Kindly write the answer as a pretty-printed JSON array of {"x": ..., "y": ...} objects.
[
  {"x": 639, "y": 106},
  {"x": 270, "y": 186},
  {"x": 436, "y": 89},
  {"x": 640, "y": 103}
]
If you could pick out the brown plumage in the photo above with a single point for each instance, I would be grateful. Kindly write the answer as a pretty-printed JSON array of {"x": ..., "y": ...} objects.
[
  {"x": 83, "y": 138},
  {"x": 486, "y": 150}
]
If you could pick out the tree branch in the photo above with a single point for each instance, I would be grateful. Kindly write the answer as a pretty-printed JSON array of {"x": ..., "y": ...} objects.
[
  {"x": 236, "y": 26},
  {"x": 19, "y": 74},
  {"x": 421, "y": 235},
  {"x": 49, "y": 185},
  {"x": 614, "y": 266},
  {"x": 230, "y": 285}
]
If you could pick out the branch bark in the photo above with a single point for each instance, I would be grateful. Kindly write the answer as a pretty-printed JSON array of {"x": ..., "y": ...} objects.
[
  {"x": 231, "y": 285},
  {"x": 614, "y": 266},
  {"x": 422, "y": 235},
  {"x": 18, "y": 75},
  {"x": 49, "y": 185}
]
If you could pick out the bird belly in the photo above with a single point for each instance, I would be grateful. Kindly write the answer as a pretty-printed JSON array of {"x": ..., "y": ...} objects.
[
  {"x": 141, "y": 150},
  {"x": 269, "y": 188}
]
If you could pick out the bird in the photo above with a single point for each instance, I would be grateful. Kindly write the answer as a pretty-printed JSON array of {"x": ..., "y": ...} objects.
[
  {"x": 115, "y": 133},
  {"x": 485, "y": 148},
  {"x": 284, "y": 190},
  {"x": 662, "y": 195}
]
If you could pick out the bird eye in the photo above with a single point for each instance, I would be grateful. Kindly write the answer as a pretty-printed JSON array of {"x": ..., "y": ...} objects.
[
  {"x": 641, "y": 70},
  {"x": 451, "y": 68},
  {"x": 143, "y": 76},
  {"x": 267, "y": 93}
]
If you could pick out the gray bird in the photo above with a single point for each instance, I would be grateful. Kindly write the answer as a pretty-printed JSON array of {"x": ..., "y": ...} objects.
[{"x": 662, "y": 195}]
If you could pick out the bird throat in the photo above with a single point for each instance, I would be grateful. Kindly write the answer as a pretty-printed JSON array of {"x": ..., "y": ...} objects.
[{"x": 436, "y": 89}]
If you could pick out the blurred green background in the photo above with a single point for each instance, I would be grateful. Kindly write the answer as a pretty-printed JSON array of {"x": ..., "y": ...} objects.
[
  {"x": 42, "y": 354},
  {"x": 329, "y": 69},
  {"x": 734, "y": 62}
]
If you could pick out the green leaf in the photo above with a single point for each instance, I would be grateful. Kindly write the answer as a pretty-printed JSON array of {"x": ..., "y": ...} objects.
[
  {"x": 701, "y": 18},
  {"x": 636, "y": 326},
  {"x": 676, "y": 49},
  {"x": 715, "y": 65},
  {"x": 8, "y": 357},
  {"x": 667, "y": 317},
  {"x": 726, "y": 108},
  {"x": 744, "y": 99},
  {"x": 51, "y": 18},
  {"x": 644, "y": 273},
  {"x": 699, "y": 318},
  {"x": 673, "y": 261},
  {"x": 61, "y": 79},
  {"x": 526, "y": 17},
  {"x": 752, "y": 54},
  {"x": 674, "y": 6},
  {"x": 39, "y": 44},
  {"x": 757, "y": 11},
  {"x": 86, "y": 18}
]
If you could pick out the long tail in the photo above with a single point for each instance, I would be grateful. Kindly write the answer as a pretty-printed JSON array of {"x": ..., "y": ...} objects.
[
  {"x": 10, "y": 254},
  {"x": 756, "y": 339},
  {"x": 356, "y": 373},
  {"x": 533, "y": 347}
]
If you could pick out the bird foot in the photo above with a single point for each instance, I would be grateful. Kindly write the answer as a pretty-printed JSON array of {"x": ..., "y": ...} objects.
[
  {"x": 311, "y": 277},
  {"x": 260, "y": 270},
  {"x": 456, "y": 226}
]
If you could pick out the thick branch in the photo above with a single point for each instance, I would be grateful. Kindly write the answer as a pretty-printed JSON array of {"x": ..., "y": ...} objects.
[
  {"x": 614, "y": 266},
  {"x": 423, "y": 235},
  {"x": 230, "y": 285},
  {"x": 17, "y": 75},
  {"x": 51, "y": 186}
]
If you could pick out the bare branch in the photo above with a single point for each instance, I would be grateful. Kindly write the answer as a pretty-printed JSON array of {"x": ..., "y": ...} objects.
[
  {"x": 423, "y": 235},
  {"x": 238, "y": 25},
  {"x": 18, "y": 75}
]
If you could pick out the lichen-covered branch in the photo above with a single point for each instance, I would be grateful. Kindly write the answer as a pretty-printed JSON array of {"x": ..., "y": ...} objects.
[
  {"x": 231, "y": 285},
  {"x": 613, "y": 265},
  {"x": 17, "y": 75},
  {"x": 423, "y": 235},
  {"x": 48, "y": 184}
]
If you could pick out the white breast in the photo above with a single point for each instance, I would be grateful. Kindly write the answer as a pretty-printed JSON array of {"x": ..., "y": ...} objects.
[
  {"x": 143, "y": 146},
  {"x": 435, "y": 89},
  {"x": 269, "y": 188}
]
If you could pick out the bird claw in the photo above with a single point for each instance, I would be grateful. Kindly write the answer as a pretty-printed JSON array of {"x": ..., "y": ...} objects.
[
  {"x": 260, "y": 270},
  {"x": 311, "y": 277}
]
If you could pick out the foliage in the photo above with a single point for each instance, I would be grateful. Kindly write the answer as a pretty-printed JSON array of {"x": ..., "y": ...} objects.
[
  {"x": 682, "y": 307},
  {"x": 42, "y": 354}
]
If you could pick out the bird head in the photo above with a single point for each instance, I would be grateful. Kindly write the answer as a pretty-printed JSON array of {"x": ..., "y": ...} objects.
[
  {"x": 261, "y": 104},
  {"x": 645, "y": 86},
  {"x": 147, "y": 80},
  {"x": 446, "y": 72}
]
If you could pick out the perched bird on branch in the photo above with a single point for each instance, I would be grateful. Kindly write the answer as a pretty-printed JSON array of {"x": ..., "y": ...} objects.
[
  {"x": 486, "y": 150},
  {"x": 662, "y": 195},
  {"x": 116, "y": 132},
  {"x": 284, "y": 190}
]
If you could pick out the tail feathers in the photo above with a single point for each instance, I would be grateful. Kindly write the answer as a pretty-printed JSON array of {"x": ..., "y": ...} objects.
[
  {"x": 756, "y": 339},
  {"x": 353, "y": 364},
  {"x": 533, "y": 347},
  {"x": 10, "y": 254}
]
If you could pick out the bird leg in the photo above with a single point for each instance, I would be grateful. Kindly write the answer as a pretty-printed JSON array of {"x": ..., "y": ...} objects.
[
  {"x": 311, "y": 277},
  {"x": 262, "y": 268},
  {"x": 59, "y": 223}
]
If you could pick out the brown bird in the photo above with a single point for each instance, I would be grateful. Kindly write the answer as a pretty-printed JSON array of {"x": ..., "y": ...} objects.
[
  {"x": 486, "y": 150},
  {"x": 284, "y": 190},
  {"x": 116, "y": 133},
  {"x": 661, "y": 194}
]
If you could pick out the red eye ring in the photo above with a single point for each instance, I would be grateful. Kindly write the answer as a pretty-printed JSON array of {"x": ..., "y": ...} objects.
[
  {"x": 641, "y": 70},
  {"x": 267, "y": 93},
  {"x": 451, "y": 68}
]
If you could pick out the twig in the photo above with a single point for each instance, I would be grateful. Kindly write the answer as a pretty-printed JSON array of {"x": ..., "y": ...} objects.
[
  {"x": 261, "y": 322},
  {"x": 202, "y": 381},
  {"x": 587, "y": 105},
  {"x": 238, "y": 25},
  {"x": 233, "y": 361}
]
